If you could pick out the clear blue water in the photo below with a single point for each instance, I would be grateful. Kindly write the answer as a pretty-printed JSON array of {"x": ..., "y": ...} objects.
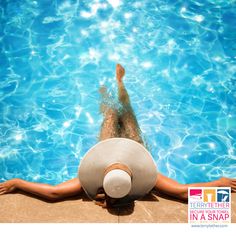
[{"x": 180, "y": 60}]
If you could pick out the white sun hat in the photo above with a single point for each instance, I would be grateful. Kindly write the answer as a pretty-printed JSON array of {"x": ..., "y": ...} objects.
[{"x": 121, "y": 166}]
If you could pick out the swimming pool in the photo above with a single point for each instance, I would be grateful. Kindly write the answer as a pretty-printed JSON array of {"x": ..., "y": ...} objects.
[{"x": 180, "y": 73}]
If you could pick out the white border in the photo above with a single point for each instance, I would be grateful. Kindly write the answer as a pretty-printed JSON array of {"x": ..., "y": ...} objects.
[{"x": 84, "y": 229}]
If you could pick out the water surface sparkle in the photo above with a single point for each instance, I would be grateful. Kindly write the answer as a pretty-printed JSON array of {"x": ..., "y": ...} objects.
[{"x": 180, "y": 73}]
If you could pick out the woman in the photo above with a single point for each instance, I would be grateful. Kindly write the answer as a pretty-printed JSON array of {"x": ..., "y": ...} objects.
[{"x": 119, "y": 167}]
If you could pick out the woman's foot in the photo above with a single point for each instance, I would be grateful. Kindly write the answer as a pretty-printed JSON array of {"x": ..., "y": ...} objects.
[
  {"x": 8, "y": 186},
  {"x": 227, "y": 182},
  {"x": 120, "y": 72}
]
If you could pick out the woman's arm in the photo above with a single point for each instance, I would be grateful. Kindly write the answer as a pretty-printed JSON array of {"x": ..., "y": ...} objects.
[
  {"x": 175, "y": 189},
  {"x": 67, "y": 189}
]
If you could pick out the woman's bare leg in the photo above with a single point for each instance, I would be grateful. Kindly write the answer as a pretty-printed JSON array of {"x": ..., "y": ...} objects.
[
  {"x": 109, "y": 127},
  {"x": 67, "y": 189},
  {"x": 175, "y": 189},
  {"x": 129, "y": 127}
]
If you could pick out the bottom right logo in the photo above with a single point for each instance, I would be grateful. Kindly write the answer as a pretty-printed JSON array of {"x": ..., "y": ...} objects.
[{"x": 209, "y": 205}]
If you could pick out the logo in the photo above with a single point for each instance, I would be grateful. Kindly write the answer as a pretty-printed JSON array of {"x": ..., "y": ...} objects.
[
  {"x": 196, "y": 194},
  {"x": 209, "y": 195},
  {"x": 208, "y": 205},
  {"x": 223, "y": 195}
]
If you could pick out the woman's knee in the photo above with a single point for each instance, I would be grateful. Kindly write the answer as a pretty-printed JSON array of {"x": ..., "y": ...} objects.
[
  {"x": 111, "y": 113},
  {"x": 109, "y": 127}
]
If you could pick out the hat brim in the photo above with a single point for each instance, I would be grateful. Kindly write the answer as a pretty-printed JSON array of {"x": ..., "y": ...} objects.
[{"x": 118, "y": 150}]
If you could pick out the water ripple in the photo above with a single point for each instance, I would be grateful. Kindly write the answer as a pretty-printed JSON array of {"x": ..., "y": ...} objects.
[{"x": 180, "y": 69}]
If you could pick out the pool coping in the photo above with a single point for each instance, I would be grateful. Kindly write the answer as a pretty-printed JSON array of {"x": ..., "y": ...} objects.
[{"x": 154, "y": 208}]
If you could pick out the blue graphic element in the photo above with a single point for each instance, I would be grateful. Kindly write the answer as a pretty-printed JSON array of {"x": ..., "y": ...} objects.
[{"x": 223, "y": 195}]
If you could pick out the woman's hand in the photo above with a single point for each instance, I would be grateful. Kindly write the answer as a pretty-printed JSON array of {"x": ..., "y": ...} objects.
[
  {"x": 8, "y": 186},
  {"x": 227, "y": 182}
]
